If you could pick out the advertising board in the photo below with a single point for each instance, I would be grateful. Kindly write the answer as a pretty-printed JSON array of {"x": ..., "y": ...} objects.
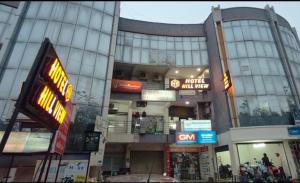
[
  {"x": 196, "y": 125},
  {"x": 190, "y": 84}
]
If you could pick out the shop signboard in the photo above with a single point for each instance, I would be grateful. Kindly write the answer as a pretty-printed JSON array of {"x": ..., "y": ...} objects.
[
  {"x": 294, "y": 131},
  {"x": 126, "y": 86},
  {"x": 92, "y": 141},
  {"x": 199, "y": 137},
  {"x": 190, "y": 84},
  {"x": 186, "y": 138},
  {"x": 159, "y": 95},
  {"x": 206, "y": 137},
  {"x": 227, "y": 80},
  {"x": 47, "y": 89},
  {"x": 196, "y": 125}
]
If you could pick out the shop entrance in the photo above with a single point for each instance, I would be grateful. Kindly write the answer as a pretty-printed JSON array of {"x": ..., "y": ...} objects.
[
  {"x": 142, "y": 161},
  {"x": 185, "y": 166}
]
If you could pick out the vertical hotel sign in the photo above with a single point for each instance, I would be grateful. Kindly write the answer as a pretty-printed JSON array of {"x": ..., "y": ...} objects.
[
  {"x": 227, "y": 80},
  {"x": 46, "y": 93}
]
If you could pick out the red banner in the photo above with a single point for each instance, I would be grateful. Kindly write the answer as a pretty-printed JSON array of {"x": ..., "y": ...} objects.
[
  {"x": 126, "y": 86},
  {"x": 62, "y": 132},
  {"x": 189, "y": 149}
]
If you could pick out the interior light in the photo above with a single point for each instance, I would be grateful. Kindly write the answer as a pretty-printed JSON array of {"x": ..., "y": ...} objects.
[
  {"x": 259, "y": 145},
  {"x": 187, "y": 102},
  {"x": 199, "y": 69},
  {"x": 176, "y": 72},
  {"x": 192, "y": 76}
]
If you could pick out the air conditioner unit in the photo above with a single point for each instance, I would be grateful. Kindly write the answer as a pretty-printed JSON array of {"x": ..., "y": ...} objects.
[
  {"x": 157, "y": 77},
  {"x": 142, "y": 76}
]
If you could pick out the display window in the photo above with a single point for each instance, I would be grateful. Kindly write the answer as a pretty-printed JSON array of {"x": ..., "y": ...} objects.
[
  {"x": 224, "y": 164},
  {"x": 263, "y": 161}
]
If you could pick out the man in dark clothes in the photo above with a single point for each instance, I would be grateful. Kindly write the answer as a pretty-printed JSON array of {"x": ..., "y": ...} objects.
[{"x": 265, "y": 160}]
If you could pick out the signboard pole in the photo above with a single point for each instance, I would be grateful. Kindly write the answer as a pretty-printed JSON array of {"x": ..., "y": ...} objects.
[
  {"x": 58, "y": 168},
  {"x": 46, "y": 157},
  {"x": 48, "y": 167},
  {"x": 8, "y": 129}
]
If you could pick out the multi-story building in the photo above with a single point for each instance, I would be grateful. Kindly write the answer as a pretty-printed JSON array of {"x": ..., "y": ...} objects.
[{"x": 98, "y": 49}]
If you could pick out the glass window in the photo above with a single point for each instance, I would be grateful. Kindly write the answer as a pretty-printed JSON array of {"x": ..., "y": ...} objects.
[
  {"x": 96, "y": 20},
  {"x": 264, "y": 68},
  {"x": 195, "y": 46},
  {"x": 255, "y": 33},
  {"x": 275, "y": 52},
  {"x": 245, "y": 67},
  {"x": 87, "y": 3},
  {"x": 7, "y": 82},
  {"x": 16, "y": 55},
  {"x": 71, "y": 13},
  {"x": 234, "y": 67},
  {"x": 204, "y": 57},
  {"x": 84, "y": 16},
  {"x": 203, "y": 45},
  {"x": 73, "y": 79},
  {"x": 231, "y": 50},
  {"x": 45, "y": 9},
  {"x": 269, "y": 86},
  {"x": 59, "y": 10},
  {"x": 268, "y": 49},
  {"x": 109, "y": 7},
  {"x": 97, "y": 91},
  {"x": 162, "y": 57},
  {"x": 29, "y": 55},
  {"x": 238, "y": 35},
  {"x": 259, "y": 49},
  {"x": 101, "y": 67},
  {"x": 249, "y": 87},
  {"x": 255, "y": 66},
  {"x": 196, "y": 58},
  {"x": 178, "y": 45},
  {"x": 38, "y": 31},
  {"x": 119, "y": 52},
  {"x": 33, "y": 8},
  {"x": 154, "y": 44},
  {"x": 273, "y": 68},
  {"x": 66, "y": 34},
  {"x": 104, "y": 44},
  {"x": 250, "y": 49},
  {"x": 145, "y": 56},
  {"x": 153, "y": 56},
  {"x": 74, "y": 63},
  {"x": 241, "y": 49},
  {"x": 187, "y": 45},
  {"x": 83, "y": 89},
  {"x": 187, "y": 57},
  {"x": 107, "y": 24},
  {"x": 171, "y": 57},
  {"x": 53, "y": 30},
  {"x": 88, "y": 64},
  {"x": 228, "y": 34},
  {"x": 259, "y": 85},
  {"x": 238, "y": 86},
  {"x": 270, "y": 36},
  {"x": 145, "y": 43},
  {"x": 3, "y": 16},
  {"x": 79, "y": 37},
  {"x": 162, "y": 45},
  {"x": 99, "y": 5},
  {"x": 136, "y": 53},
  {"x": 127, "y": 54},
  {"x": 92, "y": 40},
  {"x": 25, "y": 30},
  {"x": 137, "y": 42},
  {"x": 246, "y": 30},
  {"x": 62, "y": 53},
  {"x": 263, "y": 33},
  {"x": 235, "y": 23},
  {"x": 170, "y": 45},
  {"x": 21, "y": 76},
  {"x": 179, "y": 57}
]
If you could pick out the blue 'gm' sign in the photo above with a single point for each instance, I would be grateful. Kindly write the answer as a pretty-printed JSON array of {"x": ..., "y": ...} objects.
[
  {"x": 294, "y": 131},
  {"x": 207, "y": 137}
]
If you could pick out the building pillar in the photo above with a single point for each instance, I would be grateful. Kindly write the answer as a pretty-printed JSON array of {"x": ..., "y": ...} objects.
[
  {"x": 166, "y": 118},
  {"x": 129, "y": 118},
  {"x": 290, "y": 160},
  {"x": 235, "y": 162},
  {"x": 127, "y": 156}
]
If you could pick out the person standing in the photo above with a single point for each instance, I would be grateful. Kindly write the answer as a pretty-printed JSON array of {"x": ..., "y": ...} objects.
[
  {"x": 266, "y": 160},
  {"x": 279, "y": 164}
]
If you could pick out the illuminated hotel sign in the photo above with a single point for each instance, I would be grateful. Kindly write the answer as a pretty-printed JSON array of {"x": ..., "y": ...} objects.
[
  {"x": 47, "y": 91},
  {"x": 190, "y": 84},
  {"x": 227, "y": 80}
]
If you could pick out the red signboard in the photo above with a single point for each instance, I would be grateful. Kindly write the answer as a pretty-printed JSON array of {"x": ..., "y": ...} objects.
[
  {"x": 186, "y": 137},
  {"x": 189, "y": 149},
  {"x": 62, "y": 132},
  {"x": 126, "y": 86}
]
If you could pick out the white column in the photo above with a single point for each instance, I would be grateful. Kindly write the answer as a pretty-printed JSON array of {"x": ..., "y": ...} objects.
[
  {"x": 129, "y": 118},
  {"x": 166, "y": 118},
  {"x": 234, "y": 157},
  {"x": 290, "y": 160}
]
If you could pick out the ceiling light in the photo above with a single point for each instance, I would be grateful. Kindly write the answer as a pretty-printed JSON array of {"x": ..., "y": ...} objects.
[
  {"x": 259, "y": 145},
  {"x": 192, "y": 76},
  {"x": 199, "y": 69},
  {"x": 187, "y": 102},
  {"x": 176, "y": 72}
]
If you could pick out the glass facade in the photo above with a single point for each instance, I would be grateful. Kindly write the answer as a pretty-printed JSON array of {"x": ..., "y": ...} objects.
[
  {"x": 139, "y": 48},
  {"x": 81, "y": 33},
  {"x": 292, "y": 49},
  {"x": 261, "y": 90}
]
